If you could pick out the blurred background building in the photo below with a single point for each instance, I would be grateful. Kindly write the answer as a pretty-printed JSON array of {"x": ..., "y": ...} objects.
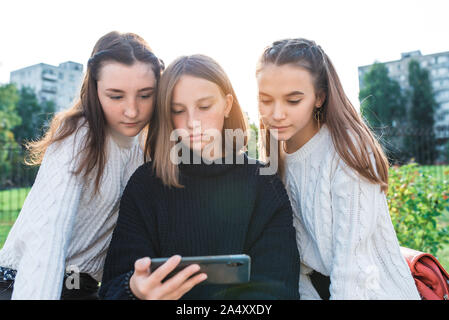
[
  {"x": 438, "y": 66},
  {"x": 59, "y": 84}
]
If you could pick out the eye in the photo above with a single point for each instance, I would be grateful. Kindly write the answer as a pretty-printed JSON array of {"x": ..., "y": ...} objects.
[
  {"x": 205, "y": 107},
  {"x": 146, "y": 96},
  {"x": 177, "y": 111},
  {"x": 264, "y": 101},
  {"x": 116, "y": 97},
  {"x": 294, "y": 101}
]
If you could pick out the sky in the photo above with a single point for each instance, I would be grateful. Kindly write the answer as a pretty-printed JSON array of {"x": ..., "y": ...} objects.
[{"x": 233, "y": 32}]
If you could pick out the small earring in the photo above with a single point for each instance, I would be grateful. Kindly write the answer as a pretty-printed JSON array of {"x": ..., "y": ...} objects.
[{"x": 318, "y": 116}]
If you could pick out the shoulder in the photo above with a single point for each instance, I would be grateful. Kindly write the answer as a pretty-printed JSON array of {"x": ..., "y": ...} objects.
[
  {"x": 256, "y": 168},
  {"x": 144, "y": 173},
  {"x": 144, "y": 180},
  {"x": 252, "y": 164},
  {"x": 140, "y": 186},
  {"x": 269, "y": 183},
  {"x": 361, "y": 151},
  {"x": 72, "y": 144},
  {"x": 67, "y": 151}
]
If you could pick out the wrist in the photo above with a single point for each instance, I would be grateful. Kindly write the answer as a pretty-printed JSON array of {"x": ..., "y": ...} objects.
[{"x": 128, "y": 286}]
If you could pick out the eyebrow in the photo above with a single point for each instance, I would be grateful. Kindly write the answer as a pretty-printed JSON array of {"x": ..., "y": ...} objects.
[
  {"x": 198, "y": 100},
  {"x": 120, "y": 91},
  {"x": 293, "y": 93}
]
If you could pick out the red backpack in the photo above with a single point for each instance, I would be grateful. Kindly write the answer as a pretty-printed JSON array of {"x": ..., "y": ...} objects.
[{"x": 431, "y": 280}]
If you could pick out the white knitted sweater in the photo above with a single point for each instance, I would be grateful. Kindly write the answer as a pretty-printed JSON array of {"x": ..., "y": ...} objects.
[
  {"x": 343, "y": 227},
  {"x": 60, "y": 225}
]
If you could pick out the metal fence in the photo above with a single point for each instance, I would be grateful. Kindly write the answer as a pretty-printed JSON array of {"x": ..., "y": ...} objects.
[
  {"x": 426, "y": 146},
  {"x": 16, "y": 179}
]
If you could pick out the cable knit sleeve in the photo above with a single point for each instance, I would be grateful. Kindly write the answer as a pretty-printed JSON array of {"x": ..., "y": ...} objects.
[
  {"x": 50, "y": 207},
  {"x": 365, "y": 248}
]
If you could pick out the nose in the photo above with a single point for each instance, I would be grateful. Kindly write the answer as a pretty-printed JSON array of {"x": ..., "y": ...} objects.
[
  {"x": 278, "y": 112},
  {"x": 192, "y": 121},
  {"x": 131, "y": 109}
]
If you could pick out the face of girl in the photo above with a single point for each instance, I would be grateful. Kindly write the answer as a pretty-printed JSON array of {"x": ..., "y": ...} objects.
[
  {"x": 126, "y": 94},
  {"x": 198, "y": 109},
  {"x": 287, "y": 98}
]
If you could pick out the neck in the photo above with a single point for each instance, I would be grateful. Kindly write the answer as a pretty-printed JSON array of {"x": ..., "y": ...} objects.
[
  {"x": 207, "y": 167},
  {"x": 214, "y": 153},
  {"x": 121, "y": 140},
  {"x": 301, "y": 137},
  {"x": 210, "y": 156}
]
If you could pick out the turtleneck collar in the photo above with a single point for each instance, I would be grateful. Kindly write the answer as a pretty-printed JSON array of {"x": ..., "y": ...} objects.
[{"x": 208, "y": 168}]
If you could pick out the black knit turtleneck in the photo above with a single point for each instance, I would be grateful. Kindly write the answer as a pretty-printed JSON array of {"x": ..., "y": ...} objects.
[
  {"x": 200, "y": 167},
  {"x": 222, "y": 209}
]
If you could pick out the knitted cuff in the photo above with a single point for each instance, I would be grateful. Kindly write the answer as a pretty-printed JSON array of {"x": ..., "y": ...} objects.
[{"x": 128, "y": 290}]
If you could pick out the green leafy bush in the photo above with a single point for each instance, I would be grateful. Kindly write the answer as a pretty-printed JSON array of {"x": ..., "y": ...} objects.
[{"x": 418, "y": 200}]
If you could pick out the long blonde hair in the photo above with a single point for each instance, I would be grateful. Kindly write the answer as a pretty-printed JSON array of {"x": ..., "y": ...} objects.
[
  {"x": 340, "y": 116},
  {"x": 158, "y": 144}
]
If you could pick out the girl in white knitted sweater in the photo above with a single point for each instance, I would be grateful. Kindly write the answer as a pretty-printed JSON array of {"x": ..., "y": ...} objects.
[
  {"x": 336, "y": 175},
  {"x": 86, "y": 159}
]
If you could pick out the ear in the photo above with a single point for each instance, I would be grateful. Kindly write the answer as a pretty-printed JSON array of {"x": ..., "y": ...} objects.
[
  {"x": 320, "y": 98},
  {"x": 229, "y": 101}
]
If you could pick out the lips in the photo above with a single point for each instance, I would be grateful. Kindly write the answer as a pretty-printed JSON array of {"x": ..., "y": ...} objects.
[
  {"x": 279, "y": 127},
  {"x": 130, "y": 124},
  {"x": 196, "y": 137}
]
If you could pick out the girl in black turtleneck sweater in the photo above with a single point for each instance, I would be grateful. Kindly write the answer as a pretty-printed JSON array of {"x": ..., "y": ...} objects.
[{"x": 216, "y": 205}]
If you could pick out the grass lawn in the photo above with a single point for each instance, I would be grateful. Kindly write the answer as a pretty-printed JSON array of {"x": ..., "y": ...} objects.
[{"x": 11, "y": 201}]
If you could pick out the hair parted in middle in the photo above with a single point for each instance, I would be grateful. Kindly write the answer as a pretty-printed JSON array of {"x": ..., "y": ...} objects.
[
  {"x": 352, "y": 138},
  {"x": 158, "y": 144}
]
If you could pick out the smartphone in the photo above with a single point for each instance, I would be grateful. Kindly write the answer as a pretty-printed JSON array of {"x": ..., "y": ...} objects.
[{"x": 224, "y": 269}]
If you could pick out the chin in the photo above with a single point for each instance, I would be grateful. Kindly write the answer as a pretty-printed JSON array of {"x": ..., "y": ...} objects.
[
  {"x": 132, "y": 132},
  {"x": 198, "y": 147},
  {"x": 283, "y": 136}
]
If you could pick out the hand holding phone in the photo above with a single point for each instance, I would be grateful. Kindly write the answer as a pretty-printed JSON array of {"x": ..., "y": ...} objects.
[{"x": 148, "y": 285}]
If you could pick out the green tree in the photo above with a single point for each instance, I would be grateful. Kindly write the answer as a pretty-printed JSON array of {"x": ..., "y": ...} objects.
[
  {"x": 34, "y": 116},
  {"x": 252, "y": 142},
  {"x": 383, "y": 106},
  {"x": 8, "y": 120},
  {"x": 8, "y": 115},
  {"x": 422, "y": 144},
  {"x": 382, "y": 102}
]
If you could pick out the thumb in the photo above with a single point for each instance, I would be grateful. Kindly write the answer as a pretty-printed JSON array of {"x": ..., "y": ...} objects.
[{"x": 142, "y": 266}]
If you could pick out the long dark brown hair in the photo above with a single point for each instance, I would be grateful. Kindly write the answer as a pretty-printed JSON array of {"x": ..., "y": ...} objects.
[
  {"x": 352, "y": 138},
  {"x": 125, "y": 48}
]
